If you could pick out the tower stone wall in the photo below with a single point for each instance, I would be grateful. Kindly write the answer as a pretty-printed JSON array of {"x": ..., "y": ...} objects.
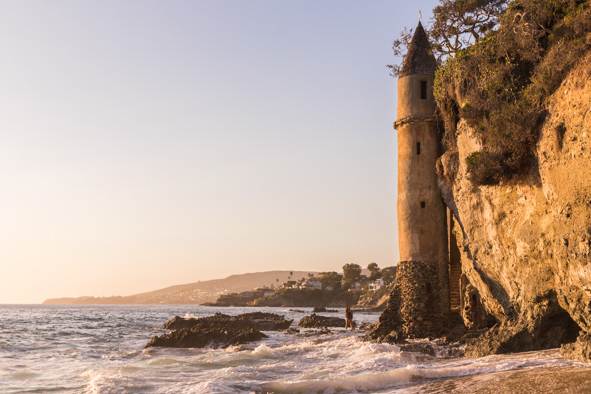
[{"x": 422, "y": 217}]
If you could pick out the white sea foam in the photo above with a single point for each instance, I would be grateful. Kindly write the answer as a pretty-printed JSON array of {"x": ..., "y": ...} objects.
[
  {"x": 108, "y": 358},
  {"x": 413, "y": 374},
  {"x": 263, "y": 351}
]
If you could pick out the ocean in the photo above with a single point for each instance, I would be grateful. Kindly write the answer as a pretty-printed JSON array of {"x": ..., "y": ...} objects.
[{"x": 100, "y": 349}]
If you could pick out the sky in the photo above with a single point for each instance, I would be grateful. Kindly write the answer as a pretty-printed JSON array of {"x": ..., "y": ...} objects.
[{"x": 150, "y": 143}]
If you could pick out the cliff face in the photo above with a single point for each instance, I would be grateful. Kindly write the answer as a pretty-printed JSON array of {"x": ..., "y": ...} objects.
[{"x": 526, "y": 244}]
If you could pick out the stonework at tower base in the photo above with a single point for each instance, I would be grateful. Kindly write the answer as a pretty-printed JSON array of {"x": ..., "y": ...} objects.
[{"x": 414, "y": 309}]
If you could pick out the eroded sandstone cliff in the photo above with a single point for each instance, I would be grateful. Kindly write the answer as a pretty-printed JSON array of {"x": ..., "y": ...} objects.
[{"x": 526, "y": 243}]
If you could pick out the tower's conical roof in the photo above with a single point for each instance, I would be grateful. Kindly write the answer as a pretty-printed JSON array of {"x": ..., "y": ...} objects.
[{"x": 419, "y": 59}]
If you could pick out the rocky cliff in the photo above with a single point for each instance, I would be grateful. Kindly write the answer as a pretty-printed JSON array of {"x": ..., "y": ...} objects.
[{"x": 526, "y": 242}]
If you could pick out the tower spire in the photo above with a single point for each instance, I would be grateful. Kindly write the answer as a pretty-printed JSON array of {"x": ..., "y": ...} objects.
[{"x": 419, "y": 59}]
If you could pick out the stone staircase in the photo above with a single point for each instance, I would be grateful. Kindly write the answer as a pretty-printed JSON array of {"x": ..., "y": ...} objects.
[{"x": 455, "y": 271}]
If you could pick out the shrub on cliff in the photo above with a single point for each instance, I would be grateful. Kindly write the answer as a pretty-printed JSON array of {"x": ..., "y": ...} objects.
[
  {"x": 484, "y": 168},
  {"x": 499, "y": 62},
  {"x": 500, "y": 84}
]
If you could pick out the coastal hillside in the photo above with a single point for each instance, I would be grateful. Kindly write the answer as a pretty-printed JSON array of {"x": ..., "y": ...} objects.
[{"x": 193, "y": 293}]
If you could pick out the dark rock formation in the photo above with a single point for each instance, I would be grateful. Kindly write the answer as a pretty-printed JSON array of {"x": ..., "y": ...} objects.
[
  {"x": 266, "y": 321},
  {"x": 177, "y": 322},
  {"x": 579, "y": 350},
  {"x": 318, "y": 321},
  {"x": 389, "y": 327},
  {"x": 544, "y": 326},
  {"x": 260, "y": 320},
  {"x": 418, "y": 347},
  {"x": 315, "y": 333},
  {"x": 473, "y": 313},
  {"x": 214, "y": 331},
  {"x": 366, "y": 326},
  {"x": 214, "y": 337},
  {"x": 319, "y": 309}
]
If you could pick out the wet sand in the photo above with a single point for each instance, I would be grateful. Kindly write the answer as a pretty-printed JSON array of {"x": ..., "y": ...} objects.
[{"x": 558, "y": 380}]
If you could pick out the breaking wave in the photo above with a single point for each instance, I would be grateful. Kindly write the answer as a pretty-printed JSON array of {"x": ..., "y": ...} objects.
[{"x": 100, "y": 350}]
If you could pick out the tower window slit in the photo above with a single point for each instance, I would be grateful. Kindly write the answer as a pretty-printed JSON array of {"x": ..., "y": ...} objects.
[
  {"x": 418, "y": 148},
  {"x": 423, "y": 204},
  {"x": 423, "y": 90}
]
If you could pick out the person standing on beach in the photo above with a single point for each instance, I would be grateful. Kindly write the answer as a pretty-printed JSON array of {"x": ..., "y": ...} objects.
[{"x": 349, "y": 318}]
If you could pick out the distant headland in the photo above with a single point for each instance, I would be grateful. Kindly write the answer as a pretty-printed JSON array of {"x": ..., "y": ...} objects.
[
  {"x": 367, "y": 288},
  {"x": 191, "y": 293}
]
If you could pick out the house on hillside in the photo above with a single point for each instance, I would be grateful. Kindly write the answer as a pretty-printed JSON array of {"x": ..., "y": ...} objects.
[
  {"x": 265, "y": 291},
  {"x": 290, "y": 284},
  {"x": 311, "y": 283},
  {"x": 376, "y": 284}
]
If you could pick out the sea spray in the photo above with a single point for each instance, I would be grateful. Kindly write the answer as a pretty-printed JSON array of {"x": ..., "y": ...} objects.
[{"x": 57, "y": 349}]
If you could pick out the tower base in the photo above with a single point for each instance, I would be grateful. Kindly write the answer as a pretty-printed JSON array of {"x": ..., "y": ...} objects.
[
  {"x": 420, "y": 299},
  {"x": 415, "y": 308}
]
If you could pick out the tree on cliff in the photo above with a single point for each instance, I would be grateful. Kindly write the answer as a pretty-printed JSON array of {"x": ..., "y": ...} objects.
[
  {"x": 388, "y": 274},
  {"x": 351, "y": 274},
  {"x": 330, "y": 280},
  {"x": 457, "y": 24},
  {"x": 374, "y": 271}
]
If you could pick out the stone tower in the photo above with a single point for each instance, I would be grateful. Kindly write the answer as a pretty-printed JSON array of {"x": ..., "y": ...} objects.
[{"x": 422, "y": 220}]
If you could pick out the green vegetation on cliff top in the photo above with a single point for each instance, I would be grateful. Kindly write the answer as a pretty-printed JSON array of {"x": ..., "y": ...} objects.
[
  {"x": 500, "y": 85},
  {"x": 500, "y": 60}
]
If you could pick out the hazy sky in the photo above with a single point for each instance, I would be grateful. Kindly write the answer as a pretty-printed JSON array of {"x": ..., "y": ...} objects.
[{"x": 151, "y": 143}]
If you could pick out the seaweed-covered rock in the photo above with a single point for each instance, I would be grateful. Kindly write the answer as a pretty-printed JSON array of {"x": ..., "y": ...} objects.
[
  {"x": 266, "y": 321},
  {"x": 260, "y": 320},
  {"x": 201, "y": 337},
  {"x": 319, "y": 321},
  {"x": 418, "y": 347},
  {"x": 215, "y": 331},
  {"x": 177, "y": 323}
]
